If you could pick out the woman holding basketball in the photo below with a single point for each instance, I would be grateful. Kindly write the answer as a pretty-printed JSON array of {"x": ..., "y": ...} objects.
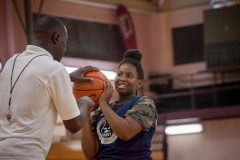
[{"x": 121, "y": 130}]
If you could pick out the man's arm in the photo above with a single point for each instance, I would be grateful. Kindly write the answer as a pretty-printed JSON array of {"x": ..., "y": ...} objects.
[
  {"x": 84, "y": 104},
  {"x": 75, "y": 124}
]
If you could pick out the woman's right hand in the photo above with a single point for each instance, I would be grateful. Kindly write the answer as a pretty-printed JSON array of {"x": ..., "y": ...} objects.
[{"x": 107, "y": 93}]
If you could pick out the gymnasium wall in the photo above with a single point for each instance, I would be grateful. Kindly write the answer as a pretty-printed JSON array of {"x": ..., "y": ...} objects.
[
  {"x": 6, "y": 31},
  {"x": 153, "y": 31},
  {"x": 78, "y": 12}
]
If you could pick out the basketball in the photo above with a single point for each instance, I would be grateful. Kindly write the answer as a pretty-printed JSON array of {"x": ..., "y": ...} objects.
[{"x": 93, "y": 90}]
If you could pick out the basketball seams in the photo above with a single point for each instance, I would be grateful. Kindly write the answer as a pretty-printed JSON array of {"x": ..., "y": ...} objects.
[
  {"x": 104, "y": 80},
  {"x": 98, "y": 78},
  {"x": 98, "y": 75},
  {"x": 99, "y": 86},
  {"x": 89, "y": 90}
]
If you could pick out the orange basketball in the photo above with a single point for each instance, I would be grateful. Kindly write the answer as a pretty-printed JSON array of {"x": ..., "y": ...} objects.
[{"x": 93, "y": 90}]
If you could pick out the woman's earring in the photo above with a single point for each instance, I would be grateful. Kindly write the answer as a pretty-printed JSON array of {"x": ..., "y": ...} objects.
[{"x": 136, "y": 92}]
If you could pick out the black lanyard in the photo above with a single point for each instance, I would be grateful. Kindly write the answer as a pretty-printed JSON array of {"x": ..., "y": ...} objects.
[{"x": 12, "y": 86}]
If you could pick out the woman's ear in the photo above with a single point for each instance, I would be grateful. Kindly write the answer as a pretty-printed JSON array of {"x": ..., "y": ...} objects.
[
  {"x": 140, "y": 83},
  {"x": 55, "y": 38}
]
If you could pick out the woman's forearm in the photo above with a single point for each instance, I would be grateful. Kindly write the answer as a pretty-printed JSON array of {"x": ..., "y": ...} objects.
[
  {"x": 120, "y": 125},
  {"x": 90, "y": 144}
]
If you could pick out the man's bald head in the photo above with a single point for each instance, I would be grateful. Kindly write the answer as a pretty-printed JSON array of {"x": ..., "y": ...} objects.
[
  {"x": 51, "y": 34},
  {"x": 48, "y": 25}
]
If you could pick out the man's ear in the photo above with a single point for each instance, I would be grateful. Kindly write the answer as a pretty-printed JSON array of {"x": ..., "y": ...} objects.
[{"x": 55, "y": 38}]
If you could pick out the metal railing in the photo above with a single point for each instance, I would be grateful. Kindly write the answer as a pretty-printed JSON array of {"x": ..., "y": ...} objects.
[{"x": 211, "y": 81}]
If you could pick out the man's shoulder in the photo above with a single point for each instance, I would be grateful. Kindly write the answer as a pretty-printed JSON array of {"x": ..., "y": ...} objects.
[
  {"x": 53, "y": 66},
  {"x": 47, "y": 66},
  {"x": 53, "y": 63}
]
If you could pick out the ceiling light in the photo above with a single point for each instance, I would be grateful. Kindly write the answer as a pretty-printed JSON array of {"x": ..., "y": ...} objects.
[
  {"x": 184, "y": 129},
  {"x": 185, "y": 120},
  {"x": 109, "y": 74}
]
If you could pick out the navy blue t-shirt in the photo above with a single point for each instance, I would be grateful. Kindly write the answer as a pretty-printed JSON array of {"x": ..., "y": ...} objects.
[{"x": 112, "y": 147}]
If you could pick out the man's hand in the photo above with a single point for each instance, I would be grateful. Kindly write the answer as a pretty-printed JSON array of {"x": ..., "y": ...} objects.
[
  {"x": 85, "y": 103},
  {"x": 77, "y": 76},
  {"x": 75, "y": 124}
]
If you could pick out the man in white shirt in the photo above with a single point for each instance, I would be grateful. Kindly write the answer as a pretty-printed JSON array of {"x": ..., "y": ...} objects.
[{"x": 34, "y": 88}]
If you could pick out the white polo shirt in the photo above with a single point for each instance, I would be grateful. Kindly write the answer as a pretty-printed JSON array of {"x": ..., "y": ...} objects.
[{"x": 41, "y": 92}]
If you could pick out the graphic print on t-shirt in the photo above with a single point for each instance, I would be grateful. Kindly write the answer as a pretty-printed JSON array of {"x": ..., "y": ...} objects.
[{"x": 105, "y": 133}]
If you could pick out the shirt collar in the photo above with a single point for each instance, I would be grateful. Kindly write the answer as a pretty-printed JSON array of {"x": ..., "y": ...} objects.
[
  {"x": 37, "y": 49},
  {"x": 117, "y": 104}
]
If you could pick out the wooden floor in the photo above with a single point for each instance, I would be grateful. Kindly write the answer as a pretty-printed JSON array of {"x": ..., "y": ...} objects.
[{"x": 71, "y": 150}]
